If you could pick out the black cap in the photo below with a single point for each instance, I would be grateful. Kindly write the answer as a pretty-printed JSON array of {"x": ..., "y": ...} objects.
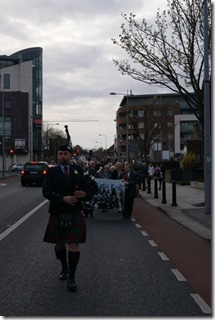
[{"x": 64, "y": 148}]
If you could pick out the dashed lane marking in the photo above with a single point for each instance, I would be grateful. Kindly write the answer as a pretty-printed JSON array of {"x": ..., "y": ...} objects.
[
  {"x": 201, "y": 303},
  {"x": 15, "y": 225},
  {"x": 132, "y": 219},
  {"x": 178, "y": 275},
  {"x": 2, "y": 184},
  {"x": 163, "y": 256},
  {"x": 152, "y": 243},
  {"x": 144, "y": 233},
  {"x": 138, "y": 226}
]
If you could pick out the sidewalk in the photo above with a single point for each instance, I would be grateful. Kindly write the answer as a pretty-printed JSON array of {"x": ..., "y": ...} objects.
[{"x": 189, "y": 210}]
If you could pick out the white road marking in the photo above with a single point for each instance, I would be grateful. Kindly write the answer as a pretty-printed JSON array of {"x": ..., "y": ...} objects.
[
  {"x": 201, "y": 303},
  {"x": 15, "y": 225},
  {"x": 152, "y": 243},
  {"x": 132, "y": 219},
  {"x": 2, "y": 184},
  {"x": 137, "y": 225},
  {"x": 178, "y": 275},
  {"x": 144, "y": 233},
  {"x": 163, "y": 256}
]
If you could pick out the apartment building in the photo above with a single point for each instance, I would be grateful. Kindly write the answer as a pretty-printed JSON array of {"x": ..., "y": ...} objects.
[{"x": 153, "y": 126}]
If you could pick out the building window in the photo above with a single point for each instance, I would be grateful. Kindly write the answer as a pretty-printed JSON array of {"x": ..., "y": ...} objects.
[
  {"x": 169, "y": 124},
  {"x": 140, "y": 113},
  {"x": 157, "y": 113},
  {"x": 6, "y": 81},
  {"x": 7, "y": 104},
  {"x": 170, "y": 136},
  {"x": 140, "y": 125},
  {"x": 38, "y": 108},
  {"x": 170, "y": 113},
  {"x": 7, "y": 126},
  {"x": 157, "y": 125}
]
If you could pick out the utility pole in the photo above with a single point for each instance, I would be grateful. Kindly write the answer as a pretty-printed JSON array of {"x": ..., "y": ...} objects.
[
  {"x": 3, "y": 128},
  {"x": 207, "y": 116}
]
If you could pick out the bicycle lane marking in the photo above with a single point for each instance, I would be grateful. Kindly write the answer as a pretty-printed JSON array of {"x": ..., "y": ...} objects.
[
  {"x": 20, "y": 221},
  {"x": 196, "y": 297}
]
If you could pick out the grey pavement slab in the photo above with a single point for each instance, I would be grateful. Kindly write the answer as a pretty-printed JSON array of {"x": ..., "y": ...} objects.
[{"x": 187, "y": 208}]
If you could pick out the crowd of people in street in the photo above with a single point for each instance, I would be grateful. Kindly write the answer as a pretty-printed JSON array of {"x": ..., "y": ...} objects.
[
  {"x": 142, "y": 173},
  {"x": 71, "y": 189}
]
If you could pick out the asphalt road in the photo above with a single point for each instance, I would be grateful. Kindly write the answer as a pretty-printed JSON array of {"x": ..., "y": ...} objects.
[{"x": 120, "y": 271}]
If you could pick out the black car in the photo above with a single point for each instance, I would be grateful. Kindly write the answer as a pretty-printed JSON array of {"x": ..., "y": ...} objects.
[{"x": 33, "y": 173}]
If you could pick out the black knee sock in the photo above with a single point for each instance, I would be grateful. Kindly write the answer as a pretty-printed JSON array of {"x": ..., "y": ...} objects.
[
  {"x": 73, "y": 258},
  {"x": 61, "y": 255}
]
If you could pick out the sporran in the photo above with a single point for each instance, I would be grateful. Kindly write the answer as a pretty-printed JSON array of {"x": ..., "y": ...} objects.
[{"x": 66, "y": 221}]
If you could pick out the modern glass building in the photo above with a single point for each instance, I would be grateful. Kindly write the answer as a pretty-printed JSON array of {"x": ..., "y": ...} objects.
[
  {"x": 36, "y": 56},
  {"x": 18, "y": 79}
]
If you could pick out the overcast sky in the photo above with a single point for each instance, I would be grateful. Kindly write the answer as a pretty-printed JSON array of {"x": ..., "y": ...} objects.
[{"x": 78, "y": 68}]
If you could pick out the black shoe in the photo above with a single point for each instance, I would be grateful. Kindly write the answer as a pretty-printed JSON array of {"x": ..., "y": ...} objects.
[
  {"x": 64, "y": 273},
  {"x": 71, "y": 285}
]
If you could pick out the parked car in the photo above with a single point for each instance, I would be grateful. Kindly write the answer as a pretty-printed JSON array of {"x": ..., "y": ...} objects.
[
  {"x": 33, "y": 173},
  {"x": 17, "y": 167}
]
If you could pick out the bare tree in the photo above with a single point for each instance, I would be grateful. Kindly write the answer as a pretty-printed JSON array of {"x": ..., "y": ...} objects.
[
  {"x": 152, "y": 125},
  {"x": 169, "y": 53},
  {"x": 52, "y": 138}
]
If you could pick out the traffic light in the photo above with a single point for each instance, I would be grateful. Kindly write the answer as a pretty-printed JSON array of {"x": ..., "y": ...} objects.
[{"x": 11, "y": 153}]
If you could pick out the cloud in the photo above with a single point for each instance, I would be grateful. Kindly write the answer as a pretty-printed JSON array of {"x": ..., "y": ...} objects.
[{"x": 78, "y": 69}]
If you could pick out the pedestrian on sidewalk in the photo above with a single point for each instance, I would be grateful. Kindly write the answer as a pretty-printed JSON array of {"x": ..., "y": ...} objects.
[
  {"x": 151, "y": 170},
  {"x": 144, "y": 174},
  {"x": 131, "y": 179},
  {"x": 65, "y": 188},
  {"x": 162, "y": 175}
]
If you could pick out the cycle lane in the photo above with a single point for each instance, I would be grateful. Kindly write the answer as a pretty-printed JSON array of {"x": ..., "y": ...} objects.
[{"x": 190, "y": 253}]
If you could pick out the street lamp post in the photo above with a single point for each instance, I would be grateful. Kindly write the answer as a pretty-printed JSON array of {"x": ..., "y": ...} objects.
[
  {"x": 104, "y": 135},
  {"x": 207, "y": 116},
  {"x": 99, "y": 143},
  {"x": 3, "y": 128},
  {"x": 122, "y": 94}
]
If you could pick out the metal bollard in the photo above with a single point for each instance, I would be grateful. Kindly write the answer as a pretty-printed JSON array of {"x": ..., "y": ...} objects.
[
  {"x": 149, "y": 184},
  {"x": 174, "y": 204},
  {"x": 163, "y": 191},
  {"x": 144, "y": 184},
  {"x": 156, "y": 188}
]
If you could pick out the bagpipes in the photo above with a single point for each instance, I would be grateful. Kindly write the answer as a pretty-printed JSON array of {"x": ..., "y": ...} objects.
[{"x": 68, "y": 137}]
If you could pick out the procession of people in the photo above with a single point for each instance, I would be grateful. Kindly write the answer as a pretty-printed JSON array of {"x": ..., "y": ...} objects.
[{"x": 75, "y": 189}]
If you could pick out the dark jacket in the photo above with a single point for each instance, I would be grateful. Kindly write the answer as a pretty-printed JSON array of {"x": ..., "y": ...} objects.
[
  {"x": 56, "y": 186},
  {"x": 133, "y": 180}
]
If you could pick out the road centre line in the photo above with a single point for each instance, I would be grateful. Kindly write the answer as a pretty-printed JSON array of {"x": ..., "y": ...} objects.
[
  {"x": 15, "y": 225},
  {"x": 178, "y": 275},
  {"x": 201, "y": 303}
]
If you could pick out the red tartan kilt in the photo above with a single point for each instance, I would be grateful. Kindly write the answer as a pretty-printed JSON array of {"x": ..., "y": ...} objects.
[{"x": 54, "y": 234}]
